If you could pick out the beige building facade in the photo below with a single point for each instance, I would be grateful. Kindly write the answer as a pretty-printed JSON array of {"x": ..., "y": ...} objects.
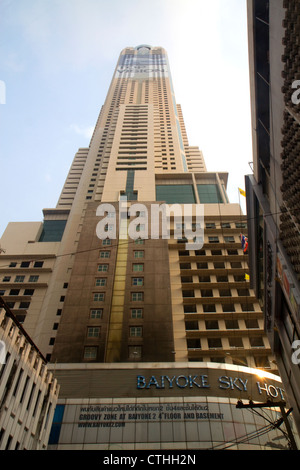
[
  {"x": 114, "y": 287},
  {"x": 28, "y": 389}
]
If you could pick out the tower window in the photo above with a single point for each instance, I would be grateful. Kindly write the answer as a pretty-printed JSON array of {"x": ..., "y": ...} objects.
[
  {"x": 90, "y": 352},
  {"x": 232, "y": 324},
  {"x": 252, "y": 323},
  {"x": 25, "y": 264},
  {"x": 188, "y": 293},
  {"x": 212, "y": 324},
  {"x": 228, "y": 308},
  {"x": 28, "y": 291},
  {"x": 93, "y": 332},
  {"x": 24, "y": 305},
  {"x": 193, "y": 343},
  {"x": 14, "y": 292},
  {"x": 136, "y": 313},
  {"x": 214, "y": 343},
  {"x": 236, "y": 342},
  {"x": 208, "y": 308},
  {"x": 206, "y": 293},
  {"x": 38, "y": 264},
  {"x": 138, "y": 267},
  {"x": 137, "y": 296},
  {"x": 229, "y": 239},
  {"x": 99, "y": 296},
  {"x": 191, "y": 325},
  {"x": 96, "y": 313},
  {"x": 135, "y": 352},
  {"x": 139, "y": 241},
  {"x": 225, "y": 292},
  {"x": 103, "y": 268},
  {"x": 136, "y": 331},
  {"x": 137, "y": 281},
  {"x": 209, "y": 194}
]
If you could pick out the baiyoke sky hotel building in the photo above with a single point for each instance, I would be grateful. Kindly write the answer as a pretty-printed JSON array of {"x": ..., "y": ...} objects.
[{"x": 147, "y": 323}]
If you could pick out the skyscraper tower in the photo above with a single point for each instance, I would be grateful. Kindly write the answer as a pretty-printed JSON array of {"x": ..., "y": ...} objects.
[
  {"x": 138, "y": 138},
  {"x": 140, "y": 150},
  {"x": 108, "y": 291}
]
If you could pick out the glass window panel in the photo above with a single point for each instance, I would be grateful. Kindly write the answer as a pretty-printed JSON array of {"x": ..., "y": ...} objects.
[
  {"x": 175, "y": 193},
  {"x": 209, "y": 194}
]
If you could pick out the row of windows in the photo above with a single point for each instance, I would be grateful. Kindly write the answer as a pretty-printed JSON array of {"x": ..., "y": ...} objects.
[
  {"x": 216, "y": 265},
  {"x": 222, "y": 293},
  {"x": 97, "y": 313},
  {"x": 232, "y": 252},
  {"x": 134, "y": 331},
  {"x": 22, "y": 305},
  {"x": 134, "y": 352},
  {"x": 227, "y": 239},
  {"x": 213, "y": 239},
  {"x": 138, "y": 228},
  {"x": 207, "y": 279},
  {"x": 232, "y": 324},
  {"x": 135, "y": 267},
  {"x": 135, "y": 296},
  {"x": 17, "y": 292},
  {"x": 111, "y": 227},
  {"x": 211, "y": 308},
  {"x": 219, "y": 278},
  {"x": 20, "y": 278},
  {"x": 234, "y": 342},
  {"x": 27, "y": 264},
  {"x": 102, "y": 281},
  {"x": 226, "y": 308},
  {"x": 212, "y": 225}
]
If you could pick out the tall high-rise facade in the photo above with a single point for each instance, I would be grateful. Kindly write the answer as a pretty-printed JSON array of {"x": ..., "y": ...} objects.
[
  {"x": 137, "y": 298},
  {"x": 273, "y": 188}
]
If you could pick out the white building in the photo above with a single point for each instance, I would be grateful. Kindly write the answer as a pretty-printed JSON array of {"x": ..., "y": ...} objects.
[{"x": 28, "y": 390}]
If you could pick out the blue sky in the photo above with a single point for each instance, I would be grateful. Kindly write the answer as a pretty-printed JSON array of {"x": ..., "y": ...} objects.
[{"x": 57, "y": 61}]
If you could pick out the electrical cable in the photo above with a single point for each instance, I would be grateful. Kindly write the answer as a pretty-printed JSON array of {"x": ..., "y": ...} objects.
[
  {"x": 245, "y": 438},
  {"x": 254, "y": 434}
]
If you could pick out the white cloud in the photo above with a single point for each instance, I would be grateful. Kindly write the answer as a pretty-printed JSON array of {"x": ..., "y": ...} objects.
[
  {"x": 80, "y": 33},
  {"x": 13, "y": 62},
  {"x": 86, "y": 132}
]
